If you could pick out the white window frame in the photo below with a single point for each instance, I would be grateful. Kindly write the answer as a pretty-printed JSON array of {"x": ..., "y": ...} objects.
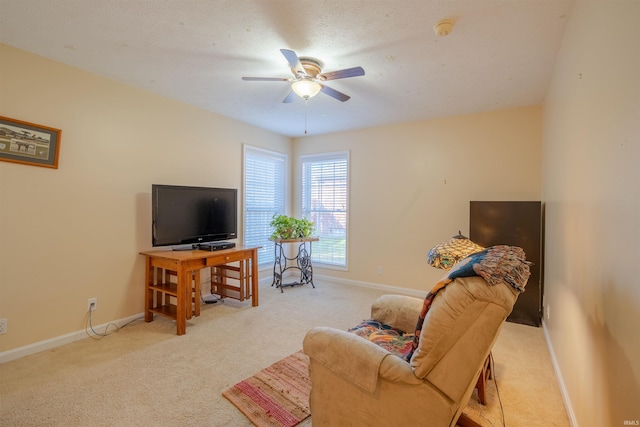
[
  {"x": 266, "y": 254},
  {"x": 307, "y": 211}
]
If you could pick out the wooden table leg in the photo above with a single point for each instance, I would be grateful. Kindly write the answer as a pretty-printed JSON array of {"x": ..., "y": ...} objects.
[
  {"x": 188, "y": 292},
  {"x": 247, "y": 278},
  {"x": 195, "y": 298},
  {"x": 241, "y": 280},
  {"x": 254, "y": 278},
  {"x": 167, "y": 280},
  {"x": 148, "y": 299},
  {"x": 181, "y": 306}
]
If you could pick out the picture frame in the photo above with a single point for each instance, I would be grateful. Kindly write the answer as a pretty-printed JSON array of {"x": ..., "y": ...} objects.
[{"x": 29, "y": 143}]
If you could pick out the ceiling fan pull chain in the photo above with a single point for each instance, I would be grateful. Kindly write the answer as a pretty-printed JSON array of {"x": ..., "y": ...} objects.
[{"x": 306, "y": 102}]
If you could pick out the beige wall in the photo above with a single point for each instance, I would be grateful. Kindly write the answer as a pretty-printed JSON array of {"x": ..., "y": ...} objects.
[
  {"x": 70, "y": 234},
  {"x": 410, "y": 186},
  {"x": 591, "y": 170},
  {"x": 74, "y": 233}
]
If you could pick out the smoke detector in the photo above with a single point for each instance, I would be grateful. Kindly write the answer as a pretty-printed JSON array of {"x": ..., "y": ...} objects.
[{"x": 443, "y": 27}]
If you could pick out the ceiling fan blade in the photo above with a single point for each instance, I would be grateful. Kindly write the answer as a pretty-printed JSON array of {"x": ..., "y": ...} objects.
[
  {"x": 293, "y": 60},
  {"x": 289, "y": 98},
  {"x": 334, "y": 93},
  {"x": 266, "y": 79},
  {"x": 341, "y": 74}
]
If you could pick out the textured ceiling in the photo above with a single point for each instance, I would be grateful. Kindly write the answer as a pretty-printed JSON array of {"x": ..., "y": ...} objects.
[{"x": 500, "y": 53}]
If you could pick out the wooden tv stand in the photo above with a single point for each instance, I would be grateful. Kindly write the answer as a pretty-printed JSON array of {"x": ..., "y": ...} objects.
[{"x": 180, "y": 299}]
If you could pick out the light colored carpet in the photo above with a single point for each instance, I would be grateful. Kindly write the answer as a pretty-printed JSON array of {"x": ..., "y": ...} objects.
[
  {"x": 527, "y": 388},
  {"x": 146, "y": 375}
]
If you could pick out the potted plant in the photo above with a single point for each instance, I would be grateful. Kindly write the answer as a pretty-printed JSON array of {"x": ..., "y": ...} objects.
[{"x": 288, "y": 227}]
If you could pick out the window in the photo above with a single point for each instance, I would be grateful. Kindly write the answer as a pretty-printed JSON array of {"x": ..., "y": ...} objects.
[
  {"x": 324, "y": 200},
  {"x": 264, "y": 197}
]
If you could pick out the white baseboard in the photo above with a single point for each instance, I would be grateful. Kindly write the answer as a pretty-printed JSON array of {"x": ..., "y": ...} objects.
[
  {"x": 268, "y": 280},
  {"x": 391, "y": 289},
  {"x": 556, "y": 368},
  {"x": 37, "y": 347}
]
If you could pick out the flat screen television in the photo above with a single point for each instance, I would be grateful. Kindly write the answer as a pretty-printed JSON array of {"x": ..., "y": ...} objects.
[{"x": 184, "y": 215}]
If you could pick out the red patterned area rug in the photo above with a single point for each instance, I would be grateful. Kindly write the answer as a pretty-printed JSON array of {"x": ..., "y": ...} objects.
[{"x": 277, "y": 395}]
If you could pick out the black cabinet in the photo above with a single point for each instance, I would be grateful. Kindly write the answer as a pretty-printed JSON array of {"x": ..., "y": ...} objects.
[{"x": 515, "y": 224}]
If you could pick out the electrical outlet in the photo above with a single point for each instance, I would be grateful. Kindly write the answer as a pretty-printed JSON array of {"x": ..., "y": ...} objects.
[
  {"x": 379, "y": 269},
  {"x": 3, "y": 326},
  {"x": 548, "y": 311},
  {"x": 92, "y": 304}
]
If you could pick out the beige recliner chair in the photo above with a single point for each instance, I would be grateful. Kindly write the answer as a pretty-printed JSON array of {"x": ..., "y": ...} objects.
[{"x": 358, "y": 383}]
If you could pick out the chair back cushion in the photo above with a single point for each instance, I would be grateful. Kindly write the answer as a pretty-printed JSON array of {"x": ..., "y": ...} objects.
[{"x": 458, "y": 332}]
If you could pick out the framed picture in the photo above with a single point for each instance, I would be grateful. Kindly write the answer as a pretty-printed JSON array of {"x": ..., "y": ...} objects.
[{"x": 28, "y": 143}]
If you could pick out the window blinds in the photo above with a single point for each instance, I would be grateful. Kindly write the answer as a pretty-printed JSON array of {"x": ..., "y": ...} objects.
[
  {"x": 264, "y": 197},
  {"x": 324, "y": 200}
]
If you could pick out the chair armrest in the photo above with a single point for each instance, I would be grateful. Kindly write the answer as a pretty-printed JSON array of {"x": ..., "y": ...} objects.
[
  {"x": 354, "y": 358},
  {"x": 398, "y": 311}
]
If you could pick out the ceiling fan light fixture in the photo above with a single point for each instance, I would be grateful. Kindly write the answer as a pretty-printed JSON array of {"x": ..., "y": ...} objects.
[{"x": 306, "y": 88}]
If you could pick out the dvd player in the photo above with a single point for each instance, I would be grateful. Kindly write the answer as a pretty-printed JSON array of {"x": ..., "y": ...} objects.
[{"x": 214, "y": 246}]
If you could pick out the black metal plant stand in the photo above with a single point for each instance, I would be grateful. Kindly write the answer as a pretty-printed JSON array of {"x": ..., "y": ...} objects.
[{"x": 301, "y": 262}]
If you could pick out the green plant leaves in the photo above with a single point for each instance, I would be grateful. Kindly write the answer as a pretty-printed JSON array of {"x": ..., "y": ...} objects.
[{"x": 287, "y": 227}]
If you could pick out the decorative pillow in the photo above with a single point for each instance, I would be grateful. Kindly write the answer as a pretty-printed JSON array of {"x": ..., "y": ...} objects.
[{"x": 391, "y": 339}]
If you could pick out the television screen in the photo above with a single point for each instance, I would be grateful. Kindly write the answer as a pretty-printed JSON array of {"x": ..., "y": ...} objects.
[{"x": 186, "y": 215}]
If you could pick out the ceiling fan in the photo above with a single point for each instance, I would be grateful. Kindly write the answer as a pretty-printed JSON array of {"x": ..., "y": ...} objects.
[{"x": 308, "y": 78}]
